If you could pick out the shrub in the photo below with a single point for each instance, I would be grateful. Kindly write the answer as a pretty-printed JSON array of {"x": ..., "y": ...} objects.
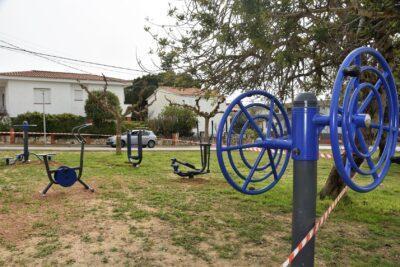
[
  {"x": 174, "y": 119},
  {"x": 5, "y": 124},
  {"x": 131, "y": 125},
  {"x": 59, "y": 123},
  {"x": 97, "y": 114},
  {"x": 63, "y": 123}
]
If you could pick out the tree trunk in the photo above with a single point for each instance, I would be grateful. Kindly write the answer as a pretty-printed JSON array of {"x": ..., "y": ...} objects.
[
  {"x": 118, "y": 124},
  {"x": 206, "y": 128},
  {"x": 334, "y": 184}
]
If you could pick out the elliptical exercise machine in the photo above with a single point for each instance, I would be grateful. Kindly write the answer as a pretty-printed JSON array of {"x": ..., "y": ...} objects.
[
  {"x": 24, "y": 157},
  {"x": 135, "y": 159},
  {"x": 204, "y": 155},
  {"x": 66, "y": 176}
]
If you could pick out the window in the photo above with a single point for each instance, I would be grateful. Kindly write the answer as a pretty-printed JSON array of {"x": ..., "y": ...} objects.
[
  {"x": 78, "y": 95},
  {"x": 42, "y": 96}
]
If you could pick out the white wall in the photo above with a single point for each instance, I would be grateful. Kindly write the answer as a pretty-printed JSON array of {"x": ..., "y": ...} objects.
[
  {"x": 161, "y": 102},
  {"x": 20, "y": 97}
]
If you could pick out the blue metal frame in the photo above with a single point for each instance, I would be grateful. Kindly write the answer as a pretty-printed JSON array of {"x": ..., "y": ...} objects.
[
  {"x": 67, "y": 176},
  {"x": 266, "y": 144},
  {"x": 386, "y": 81},
  {"x": 25, "y": 155},
  {"x": 348, "y": 117}
]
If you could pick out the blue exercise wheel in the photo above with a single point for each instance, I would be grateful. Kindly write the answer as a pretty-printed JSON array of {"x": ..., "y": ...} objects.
[
  {"x": 253, "y": 142},
  {"x": 364, "y": 93}
]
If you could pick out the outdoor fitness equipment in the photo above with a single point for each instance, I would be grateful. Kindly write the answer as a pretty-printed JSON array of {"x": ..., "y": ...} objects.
[
  {"x": 24, "y": 157},
  {"x": 64, "y": 175},
  {"x": 396, "y": 159},
  {"x": 204, "y": 155},
  {"x": 137, "y": 159},
  {"x": 260, "y": 113}
]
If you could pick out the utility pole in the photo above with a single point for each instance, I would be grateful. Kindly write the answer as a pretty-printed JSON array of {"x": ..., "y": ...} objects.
[{"x": 44, "y": 118}]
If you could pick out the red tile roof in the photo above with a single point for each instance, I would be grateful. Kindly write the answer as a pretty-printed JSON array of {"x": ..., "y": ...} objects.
[
  {"x": 60, "y": 75},
  {"x": 183, "y": 91}
]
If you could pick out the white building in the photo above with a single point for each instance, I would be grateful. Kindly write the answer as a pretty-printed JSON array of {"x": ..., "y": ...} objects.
[
  {"x": 58, "y": 92},
  {"x": 159, "y": 100}
]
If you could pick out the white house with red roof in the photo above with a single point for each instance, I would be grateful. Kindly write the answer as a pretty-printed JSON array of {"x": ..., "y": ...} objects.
[
  {"x": 58, "y": 92},
  {"x": 163, "y": 94}
]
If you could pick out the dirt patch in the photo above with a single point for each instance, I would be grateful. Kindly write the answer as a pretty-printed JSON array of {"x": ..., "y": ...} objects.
[{"x": 21, "y": 219}]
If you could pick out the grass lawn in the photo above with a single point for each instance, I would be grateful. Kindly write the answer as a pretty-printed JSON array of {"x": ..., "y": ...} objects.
[{"x": 149, "y": 216}]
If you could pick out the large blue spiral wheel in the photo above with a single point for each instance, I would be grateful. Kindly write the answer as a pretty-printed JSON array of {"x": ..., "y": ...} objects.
[
  {"x": 253, "y": 142},
  {"x": 364, "y": 88}
]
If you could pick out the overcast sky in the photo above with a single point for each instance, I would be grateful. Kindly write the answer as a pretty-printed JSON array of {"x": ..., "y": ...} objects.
[{"x": 105, "y": 31}]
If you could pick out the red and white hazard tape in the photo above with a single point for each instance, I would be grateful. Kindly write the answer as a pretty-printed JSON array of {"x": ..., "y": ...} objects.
[
  {"x": 321, "y": 155},
  {"x": 325, "y": 155},
  {"x": 315, "y": 229},
  {"x": 180, "y": 141},
  {"x": 41, "y": 133}
]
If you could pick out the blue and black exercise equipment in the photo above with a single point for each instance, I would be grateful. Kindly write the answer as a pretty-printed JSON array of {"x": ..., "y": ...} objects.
[
  {"x": 205, "y": 153},
  {"x": 363, "y": 89},
  {"x": 135, "y": 159},
  {"x": 24, "y": 156},
  {"x": 396, "y": 159},
  {"x": 67, "y": 176}
]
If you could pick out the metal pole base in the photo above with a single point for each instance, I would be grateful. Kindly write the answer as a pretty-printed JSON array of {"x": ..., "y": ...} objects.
[{"x": 304, "y": 209}]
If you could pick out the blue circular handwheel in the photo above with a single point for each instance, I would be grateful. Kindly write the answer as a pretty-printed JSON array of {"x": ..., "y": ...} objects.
[
  {"x": 364, "y": 88},
  {"x": 65, "y": 176},
  {"x": 253, "y": 142}
]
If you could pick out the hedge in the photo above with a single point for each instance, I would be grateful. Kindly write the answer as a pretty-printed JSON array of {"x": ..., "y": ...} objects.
[
  {"x": 174, "y": 119},
  {"x": 63, "y": 123}
]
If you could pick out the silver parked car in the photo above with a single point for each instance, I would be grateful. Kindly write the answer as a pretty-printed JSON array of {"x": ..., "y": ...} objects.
[{"x": 149, "y": 139}]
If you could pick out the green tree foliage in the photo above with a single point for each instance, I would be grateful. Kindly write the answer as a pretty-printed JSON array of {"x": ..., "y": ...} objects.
[
  {"x": 281, "y": 46},
  {"x": 174, "y": 119},
  {"x": 144, "y": 86},
  {"x": 96, "y": 112}
]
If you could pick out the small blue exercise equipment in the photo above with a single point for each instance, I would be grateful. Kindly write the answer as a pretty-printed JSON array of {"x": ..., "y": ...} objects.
[
  {"x": 67, "y": 176},
  {"x": 24, "y": 156}
]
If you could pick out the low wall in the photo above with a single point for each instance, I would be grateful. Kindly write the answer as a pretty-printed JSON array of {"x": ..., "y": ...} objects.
[{"x": 51, "y": 138}]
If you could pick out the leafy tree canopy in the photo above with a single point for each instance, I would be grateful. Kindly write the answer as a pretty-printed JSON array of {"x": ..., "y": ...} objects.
[
  {"x": 281, "y": 46},
  {"x": 95, "y": 112},
  {"x": 174, "y": 119}
]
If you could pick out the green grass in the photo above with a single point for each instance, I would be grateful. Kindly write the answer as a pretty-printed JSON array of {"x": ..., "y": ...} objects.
[{"x": 149, "y": 216}]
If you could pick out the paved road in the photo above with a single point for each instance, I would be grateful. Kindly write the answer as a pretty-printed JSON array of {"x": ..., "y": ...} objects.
[
  {"x": 104, "y": 148},
  {"x": 95, "y": 148}
]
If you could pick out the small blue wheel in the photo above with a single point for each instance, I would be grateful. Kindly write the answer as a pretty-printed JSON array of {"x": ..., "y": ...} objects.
[
  {"x": 253, "y": 142},
  {"x": 65, "y": 176},
  {"x": 363, "y": 89}
]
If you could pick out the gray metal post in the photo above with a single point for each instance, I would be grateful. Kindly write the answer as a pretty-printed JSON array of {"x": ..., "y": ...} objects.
[
  {"x": 44, "y": 118},
  {"x": 25, "y": 130},
  {"x": 305, "y": 156}
]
